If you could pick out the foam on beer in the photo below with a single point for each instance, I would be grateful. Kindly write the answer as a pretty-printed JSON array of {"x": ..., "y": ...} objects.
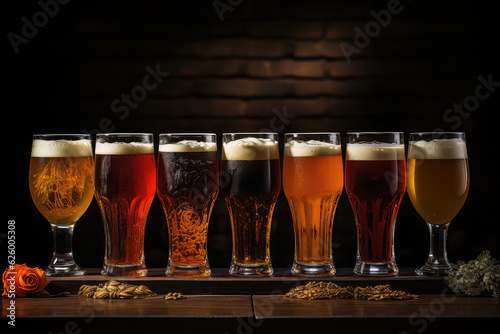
[
  {"x": 438, "y": 149},
  {"x": 61, "y": 148},
  {"x": 375, "y": 151},
  {"x": 250, "y": 148},
  {"x": 188, "y": 146},
  {"x": 124, "y": 148},
  {"x": 311, "y": 148}
]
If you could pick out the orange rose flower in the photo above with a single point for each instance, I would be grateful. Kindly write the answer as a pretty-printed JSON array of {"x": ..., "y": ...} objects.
[{"x": 20, "y": 280}]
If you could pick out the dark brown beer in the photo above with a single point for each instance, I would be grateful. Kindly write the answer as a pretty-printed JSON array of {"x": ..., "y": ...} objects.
[{"x": 251, "y": 169}]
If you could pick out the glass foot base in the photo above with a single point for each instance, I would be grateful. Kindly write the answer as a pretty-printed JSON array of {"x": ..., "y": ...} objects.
[
  {"x": 435, "y": 270},
  {"x": 63, "y": 265},
  {"x": 251, "y": 271},
  {"x": 376, "y": 269},
  {"x": 194, "y": 271},
  {"x": 313, "y": 270},
  {"x": 123, "y": 270},
  {"x": 53, "y": 270}
]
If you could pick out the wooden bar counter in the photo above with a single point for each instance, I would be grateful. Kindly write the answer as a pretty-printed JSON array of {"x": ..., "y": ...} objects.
[{"x": 224, "y": 304}]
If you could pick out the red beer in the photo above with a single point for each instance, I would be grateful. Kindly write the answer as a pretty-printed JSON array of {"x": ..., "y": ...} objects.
[
  {"x": 125, "y": 185},
  {"x": 375, "y": 182}
]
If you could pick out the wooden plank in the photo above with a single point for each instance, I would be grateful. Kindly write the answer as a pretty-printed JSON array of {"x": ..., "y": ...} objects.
[
  {"x": 220, "y": 282},
  {"x": 194, "y": 306},
  {"x": 432, "y": 305}
]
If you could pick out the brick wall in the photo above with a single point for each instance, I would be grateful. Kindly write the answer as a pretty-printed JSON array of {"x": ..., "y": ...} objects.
[{"x": 263, "y": 60}]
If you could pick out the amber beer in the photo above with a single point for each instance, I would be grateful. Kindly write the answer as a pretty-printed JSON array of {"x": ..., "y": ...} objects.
[
  {"x": 313, "y": 181},
  {"x": 438, "y": 184},
  {"x": 438, "y": 178},
  {"x": 125, "y": 185},
  {"x": 187, "y": 185},
  {"x": 375, "y": 183},
  {"x": 61, "y": 181},
  {"x": 251, "y": 170}
]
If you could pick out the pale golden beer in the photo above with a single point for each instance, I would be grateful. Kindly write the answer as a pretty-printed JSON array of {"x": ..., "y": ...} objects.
[
  {"x": 61, "y": 181},
  {"x": 62, "y": 187},
  {"x": 313, "y": 180},
  {"x": 438, "y": 184}
]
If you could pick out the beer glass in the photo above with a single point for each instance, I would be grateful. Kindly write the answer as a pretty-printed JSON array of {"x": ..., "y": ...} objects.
[
  {"x": 250, "y": 170},
  {"x": 61, "y": 181},
  {"x": 125, "y": 185},
  {"x": 438, "y": 183},
  {"x": 313, "y": 180},
  {"x": 375, "y": 181},
  {"x": 187, "y": 185}
]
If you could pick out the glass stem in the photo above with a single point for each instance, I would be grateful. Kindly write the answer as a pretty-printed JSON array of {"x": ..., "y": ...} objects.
[
  {"x": 63, "y": 249},
  {"x": 437, "y": 251}
]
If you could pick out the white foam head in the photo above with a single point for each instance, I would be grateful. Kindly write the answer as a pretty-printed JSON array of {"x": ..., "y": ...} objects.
[
  {"x": 189, "y": 146},
  {"x": 438, "y": 149},
  {"x": 311, "y": 148},
  {"x": 375, "y": 151},
  {"x": 250, "y": 148},
  {"x": 61, "y": 148},
  {"x": 124, "y": 148}
]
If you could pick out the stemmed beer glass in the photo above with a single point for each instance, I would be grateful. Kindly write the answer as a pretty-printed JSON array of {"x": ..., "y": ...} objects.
[
  {"x": 61, "y": 181},
  {"x": 438, "y": 183}
]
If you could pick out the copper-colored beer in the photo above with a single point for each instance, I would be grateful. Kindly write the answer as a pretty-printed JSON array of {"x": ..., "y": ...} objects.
[
  {"x": 438, "y": 185},
  {"x": 125, "y": 185},
  {"x": 188, "y": 184},
  {"x": 313, "y": 182}
]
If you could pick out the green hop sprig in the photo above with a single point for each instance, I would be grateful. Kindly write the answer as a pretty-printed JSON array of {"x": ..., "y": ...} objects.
[{"x": 477, "y": 277}]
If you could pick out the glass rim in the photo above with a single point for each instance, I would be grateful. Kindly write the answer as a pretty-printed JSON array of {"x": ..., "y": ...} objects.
[
  {"x": 438, "y": 132},
  {"x": 311, "y": 133},
  {"x": 376, "y": 133},
  {"x": 123, "y": 134},
  {"x": 250, "y": 133},
  {"x": 187, "y": 134},
  {"x": 75, "y": 135}
]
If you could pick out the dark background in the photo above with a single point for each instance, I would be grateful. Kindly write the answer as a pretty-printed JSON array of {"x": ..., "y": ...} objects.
[{"x": 229, "y": 76}]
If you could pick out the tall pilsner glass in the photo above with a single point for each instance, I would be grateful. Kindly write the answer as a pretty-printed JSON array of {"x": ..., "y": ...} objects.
[
  {"x": 375, "y": 182},
  {"x": 187, "y": 185},
  {"x": 125, "y": 185},
  {"x": 313, "y": 180},
  {"x": 438, "y": 183},
  {"x": 251, "y": 182},
  {"x": 61, "y": 181}
]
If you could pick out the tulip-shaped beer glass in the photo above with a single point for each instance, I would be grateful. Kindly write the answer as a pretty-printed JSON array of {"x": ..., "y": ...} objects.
[
  {"x": 61, "y": 180},
  {"x": 438, "y": 183}
]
